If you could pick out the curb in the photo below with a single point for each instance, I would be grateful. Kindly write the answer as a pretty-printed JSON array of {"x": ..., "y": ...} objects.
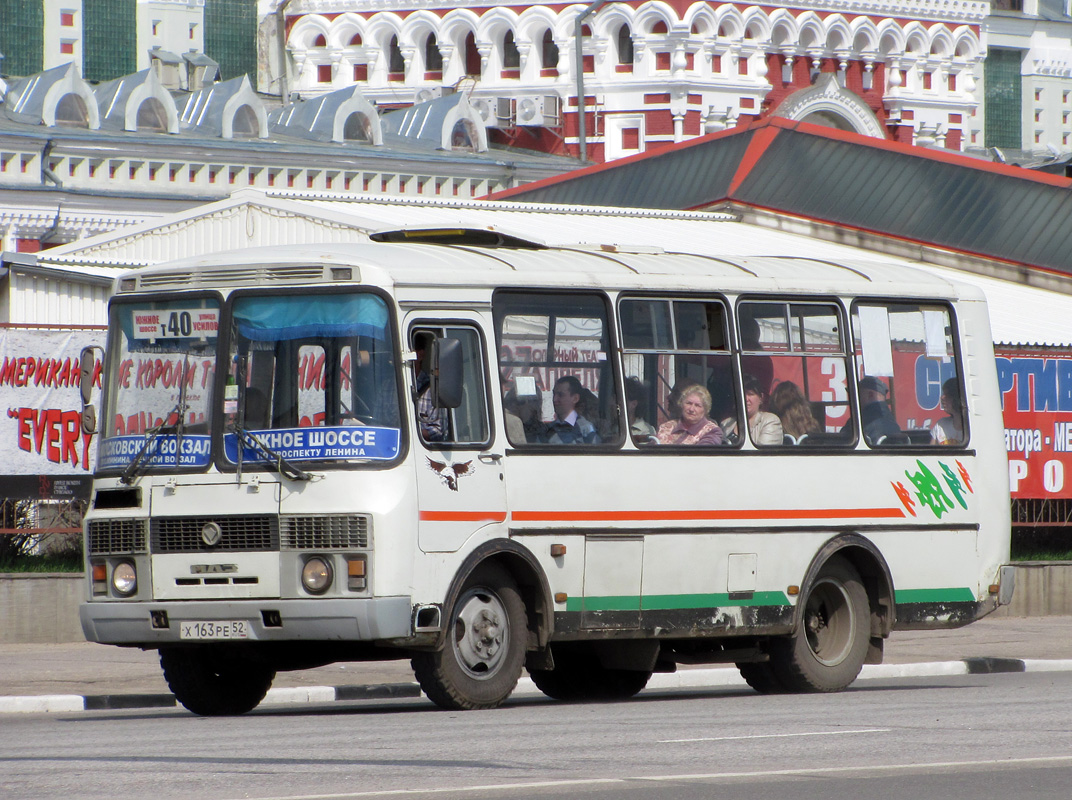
[{"x": 684, "y": 679}]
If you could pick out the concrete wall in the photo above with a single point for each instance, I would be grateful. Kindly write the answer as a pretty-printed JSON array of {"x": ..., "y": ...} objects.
[
  {"x": 40, "y": 608},
  {"x": 43, "y": 608},
  {"x": 1043, "y": 589}
]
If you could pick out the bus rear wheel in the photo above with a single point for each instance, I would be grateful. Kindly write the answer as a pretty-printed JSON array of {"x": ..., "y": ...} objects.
[
  {"x": 828, "y": 648},
  {"x": 580, "y": 676},
  {"x": 761, "y": 677},
  {"x": 215, "y": 684},
  {"x": 480, "y": 663}
]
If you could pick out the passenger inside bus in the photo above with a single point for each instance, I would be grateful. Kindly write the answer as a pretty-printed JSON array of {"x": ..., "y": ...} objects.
[
  {"x": 568, "y": 425},
  {"x": 522, "y": 416},
  {"x": 642, "y": 431},
  {"x": 950, "y": 430},
  {"x": 876, "y": 417},
  {"x": 764, "y": 427},
  {"x": 692, "y": 425},
  {"x": 432, "y": 420},
  {"x": 794, "y": 410},
  {"x": 760, "y": 367}
]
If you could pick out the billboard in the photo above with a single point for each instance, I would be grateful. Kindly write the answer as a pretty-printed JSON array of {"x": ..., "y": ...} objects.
[
  {"x": 1036, "y": 396},
  {"x": 40, "y": 406}
]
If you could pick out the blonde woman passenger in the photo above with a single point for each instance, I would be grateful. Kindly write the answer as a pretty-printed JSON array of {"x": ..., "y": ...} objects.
[{"x": 693, "y": 425}]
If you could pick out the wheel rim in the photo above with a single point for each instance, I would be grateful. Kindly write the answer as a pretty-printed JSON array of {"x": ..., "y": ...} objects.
[
  {"x": 829, "y": 622},
  {"x": 481, "y": 633}
]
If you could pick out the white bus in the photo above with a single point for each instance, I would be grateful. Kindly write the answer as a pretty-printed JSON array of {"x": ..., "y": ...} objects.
[{"x": 485, "y": 455}]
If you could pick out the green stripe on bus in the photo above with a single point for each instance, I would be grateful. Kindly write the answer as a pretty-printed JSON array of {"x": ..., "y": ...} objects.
[
  {"x": 953, "y": 595},
  {"x": 669, "y": 602},
  {"x": 676, "y": 602}
]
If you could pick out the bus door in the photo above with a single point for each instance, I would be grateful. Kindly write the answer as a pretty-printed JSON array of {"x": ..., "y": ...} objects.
[{"x": 460, "y": 482}]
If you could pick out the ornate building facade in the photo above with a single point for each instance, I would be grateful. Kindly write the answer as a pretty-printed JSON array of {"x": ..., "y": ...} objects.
[{"x": 655, "y": 71}]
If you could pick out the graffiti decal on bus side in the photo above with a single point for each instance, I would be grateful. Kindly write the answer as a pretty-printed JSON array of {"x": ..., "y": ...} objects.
[{"x": 940, "y": 494}]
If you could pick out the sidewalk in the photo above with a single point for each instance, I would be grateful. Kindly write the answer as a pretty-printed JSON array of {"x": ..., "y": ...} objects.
[{"x": 33, "y": 677}]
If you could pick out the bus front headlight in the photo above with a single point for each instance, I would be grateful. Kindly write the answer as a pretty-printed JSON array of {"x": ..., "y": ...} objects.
[
  {"x": 124, "y": 579},
  {"x": 316, "y": 575}
]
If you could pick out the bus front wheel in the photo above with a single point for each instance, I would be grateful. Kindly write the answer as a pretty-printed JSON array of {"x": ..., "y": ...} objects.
[
  {"x": 215, "y": 684},
  {"x": 480, "y": 663},
  {"x": 829, "y": 645}
]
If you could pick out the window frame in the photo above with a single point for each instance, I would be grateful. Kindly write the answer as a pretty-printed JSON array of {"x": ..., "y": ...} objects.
[
  {"x": 796, "y": 350},
  {"x": 410, "y": 402},
  {"x": 612, "y": 365},
  {"x": 728, "y": 351},
  {"x": 957, "y": 358}
]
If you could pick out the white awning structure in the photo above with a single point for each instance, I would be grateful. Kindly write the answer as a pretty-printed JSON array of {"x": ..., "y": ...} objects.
[{"x": 1020, "y": 314}]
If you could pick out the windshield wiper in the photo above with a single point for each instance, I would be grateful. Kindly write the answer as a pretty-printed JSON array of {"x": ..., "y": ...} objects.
[
  {"x": 274, "y": 460},
  {"x": 139, "y": 464},
  {"x": 136, "y": 467}
]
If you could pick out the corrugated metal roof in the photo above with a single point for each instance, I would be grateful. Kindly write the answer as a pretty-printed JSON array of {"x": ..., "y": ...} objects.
[{"x": 923, "y": 195}]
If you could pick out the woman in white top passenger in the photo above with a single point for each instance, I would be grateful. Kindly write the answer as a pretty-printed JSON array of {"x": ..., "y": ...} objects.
[
  {"x": 764, "y": 427},
  {"x": 950, "y": 430}
]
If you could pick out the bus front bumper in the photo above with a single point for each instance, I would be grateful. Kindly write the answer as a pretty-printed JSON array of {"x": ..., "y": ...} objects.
[{"x": 342, "y": 619}]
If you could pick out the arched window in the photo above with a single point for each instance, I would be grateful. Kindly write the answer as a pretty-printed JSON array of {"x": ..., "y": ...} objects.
[
  {"x": 152, "y": 116},
  {"x": 71, "y": 112},
  {"x": 433, "y": 59},
  {"x": 245, "y": 123},
  {"x": 625, "y": 45},
  {"x": 510, "y": 55},
  {"x": 472, "y": 56},
  {"x": 549, "y": 52},
  {"x": 396, "y": 64},
  {"x": 463, "y": 136},
  {"x": 320, "y": 41},
  {"x": 357, "y": 128}
]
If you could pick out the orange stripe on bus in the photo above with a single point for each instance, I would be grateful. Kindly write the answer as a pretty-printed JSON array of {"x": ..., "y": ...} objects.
[
  {"x": 654, "y": 516},
  {"x": 463, "y": 516}
]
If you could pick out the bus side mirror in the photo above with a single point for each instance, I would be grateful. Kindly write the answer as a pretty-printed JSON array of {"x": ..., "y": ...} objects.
[
  {"x": 87, "y": 364},
  {"x": 446, "y": 373}
]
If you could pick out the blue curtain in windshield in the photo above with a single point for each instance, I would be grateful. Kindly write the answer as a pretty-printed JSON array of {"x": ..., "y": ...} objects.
[{"x": 273, "y": 319}]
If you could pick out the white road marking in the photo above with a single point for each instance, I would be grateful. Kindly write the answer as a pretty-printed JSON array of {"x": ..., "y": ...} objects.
[
  {"x": 703, "y": 776},
  {"x": 771, "y": 736}
]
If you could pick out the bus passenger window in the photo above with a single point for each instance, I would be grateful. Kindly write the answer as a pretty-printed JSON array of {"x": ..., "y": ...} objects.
[
  {"x": 558, "y": 382},
  {"x": 794, "y": 357},
  {"x": 680, "y": 385},
  {"x": 909, "y": 386}
]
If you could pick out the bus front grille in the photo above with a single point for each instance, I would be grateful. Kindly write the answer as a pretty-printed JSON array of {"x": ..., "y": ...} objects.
[
  {"x": 116, "y": 536},
  {"x": 188, "y": 534},
  {"x": 325, "y": 532}
]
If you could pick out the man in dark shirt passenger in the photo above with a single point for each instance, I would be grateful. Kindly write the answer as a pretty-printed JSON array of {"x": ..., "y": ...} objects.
[{"x": 876, "y": 416}]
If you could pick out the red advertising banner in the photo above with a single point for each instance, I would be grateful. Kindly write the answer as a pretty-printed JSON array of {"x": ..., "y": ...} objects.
[
  {"x": 40, "y": 404},
  {"x": 1036, "y": 394}
]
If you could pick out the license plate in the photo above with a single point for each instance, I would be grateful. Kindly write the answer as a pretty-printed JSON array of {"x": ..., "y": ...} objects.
[{"x": 225, "y": 629}]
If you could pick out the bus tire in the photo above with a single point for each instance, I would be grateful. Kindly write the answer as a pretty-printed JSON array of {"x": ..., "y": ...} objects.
[
  {"x": 578, "y": 677},
  {"x": 828, "y": 648},
  {"x": 481, "y": 660},
  {"x": 213, "y": 684},
  {"x": 760, "y": 676}
]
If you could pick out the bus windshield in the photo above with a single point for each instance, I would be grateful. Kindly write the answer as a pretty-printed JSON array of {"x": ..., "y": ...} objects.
[
  {"x": 310, "y": 378},
  {"x": 160, "y": 381}
]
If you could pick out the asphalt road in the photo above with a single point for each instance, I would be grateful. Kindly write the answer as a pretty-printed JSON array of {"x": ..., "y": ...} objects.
[{"x": 969, "y": 736}]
